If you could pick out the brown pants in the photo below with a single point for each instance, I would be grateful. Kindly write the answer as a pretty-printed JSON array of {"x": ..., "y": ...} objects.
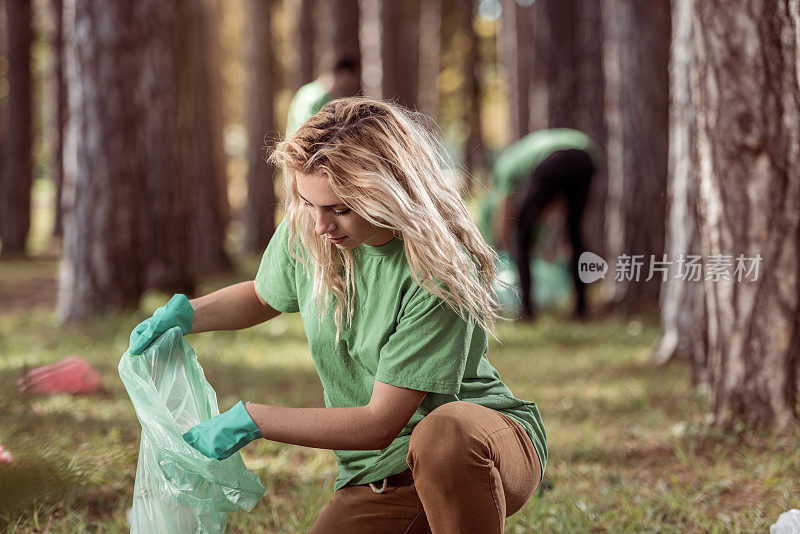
[{"x": 471, "y": 467}]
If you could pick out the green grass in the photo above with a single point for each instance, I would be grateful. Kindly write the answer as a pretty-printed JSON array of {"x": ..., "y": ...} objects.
[{"x": 630, "y": 448}]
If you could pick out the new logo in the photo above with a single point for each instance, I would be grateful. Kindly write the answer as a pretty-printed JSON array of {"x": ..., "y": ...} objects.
[{"x": 591, "y": 267}]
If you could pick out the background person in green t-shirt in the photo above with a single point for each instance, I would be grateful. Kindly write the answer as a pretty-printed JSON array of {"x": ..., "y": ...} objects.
[
  {"x": 529, "y": 175},
  {"x": 343, "y": 79},
  {"x": 392, "y": 280}
]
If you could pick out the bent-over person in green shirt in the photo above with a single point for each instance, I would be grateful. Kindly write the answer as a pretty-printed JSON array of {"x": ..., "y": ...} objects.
[
  {"x": 392, "y": 280},
  {"x": 529, "y": 175}
]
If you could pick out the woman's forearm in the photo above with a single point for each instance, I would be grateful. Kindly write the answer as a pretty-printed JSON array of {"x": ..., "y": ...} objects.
[
  {"x": 322, "y": 428},
  {"x": 230, "y": 308}
]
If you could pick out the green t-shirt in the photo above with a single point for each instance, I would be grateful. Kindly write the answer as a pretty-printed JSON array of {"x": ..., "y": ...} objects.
[
  {"x": 400, "y": 335},
  {"x": 516, "y": 162},
  {"x": 308, "y": 100}
]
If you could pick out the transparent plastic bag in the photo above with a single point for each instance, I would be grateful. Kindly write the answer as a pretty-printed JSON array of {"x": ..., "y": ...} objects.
[
  {"x": 177, "y": 489},
  {"x": 788, "y": 523}
]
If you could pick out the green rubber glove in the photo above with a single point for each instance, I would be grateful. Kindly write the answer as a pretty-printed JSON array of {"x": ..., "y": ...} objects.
[
  {"x": 223, "y": 434},
  {"x": 176, "y": 312}
]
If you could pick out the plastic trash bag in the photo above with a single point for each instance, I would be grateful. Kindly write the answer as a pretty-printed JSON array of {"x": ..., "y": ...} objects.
[
  {"x": 177, "y": 489},
  {"x": 72, "y": 374},
  {"x": 788, "y": 523},
  {"x": 5, "y": 456}
]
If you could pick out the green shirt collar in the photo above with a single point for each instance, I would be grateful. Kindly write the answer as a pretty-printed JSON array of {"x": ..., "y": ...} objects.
[{"x": 380, "y": 250}]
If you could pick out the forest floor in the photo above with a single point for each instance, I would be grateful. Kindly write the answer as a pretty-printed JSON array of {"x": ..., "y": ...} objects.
[{"x": 630, "y": 446}]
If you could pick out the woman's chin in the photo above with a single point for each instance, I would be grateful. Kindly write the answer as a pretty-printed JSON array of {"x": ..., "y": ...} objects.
[{"x": 345, "y": 244}]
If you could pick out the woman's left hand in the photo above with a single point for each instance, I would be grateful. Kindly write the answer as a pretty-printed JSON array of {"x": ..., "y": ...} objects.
[{"x": 223, "y": 434}]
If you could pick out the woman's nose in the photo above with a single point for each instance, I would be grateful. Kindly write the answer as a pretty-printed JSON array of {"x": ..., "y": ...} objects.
[{"x": 324, "y": 224}]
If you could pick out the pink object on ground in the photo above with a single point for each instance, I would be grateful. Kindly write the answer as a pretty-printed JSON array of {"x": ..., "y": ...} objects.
[
  {"x": 5, "y": 456},
  {"x": 73, "y": 374}
]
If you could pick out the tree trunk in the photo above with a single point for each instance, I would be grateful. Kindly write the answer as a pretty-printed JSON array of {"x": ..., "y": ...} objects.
[
  {"x": 614, "y": 229},
  {"x": 304, "y": 41},
  {"x": 748, "y": 140},
  {"x": 642, "y": 33},
  {"x": 371, "y": 43},
  {"x": 516, "y": 44},
  {"x": 159, "y": 145},
  {"x": 430, "y": 43},
  {"x": 400, "y": 50},
  {"x": 590, "y": 115},
  {"x": 104, "y": 188},
  {"x": 681, "y": 302},
  {"x": 261, "y": 200},
  {"x": 341, "y": 32},
  {"x": 474, "y": 151},
  {"x": 540, "y": 28},
  {"x": 61, "y": 108},
  {"x": 6, "y": 189},
  {"x": 563, "y": 77},
  {"x": 15, "y": 181},
  {"x": 203, "y": 158}
]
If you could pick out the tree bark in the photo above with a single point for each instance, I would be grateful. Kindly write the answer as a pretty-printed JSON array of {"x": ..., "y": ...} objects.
[
  {"x": 341, "y": 32},
  {"x": 304, "y": 41},
  {"x": 15, "y": 181},
  {"x": 643, "y": 36},
  {"x": 104, "y": 187},
  {"x": 159, "y": 146},
  {"x": 589, "y": 71},
  {"x": 681, "y": 302},
  {"x": 474, "y": 151},
  {"x": 261, "y": 199},
  {"x": 371, "y": 43},
  {"x": 614, "y": 230},
  {"x": 563, "y": 77},
  {"x": 400, "y": 51},
  {"x": 61, "y": 108},
  {"x": 6, "y": 187},
  {"x": 430, "y": 42},
  {"x": 748, "y": 138},
  {"x": 516, "y": 44},
  {"x": 540, "y": 27},
  {"x": 590, "y": 115},
  {"x": 202, "y": 155}
]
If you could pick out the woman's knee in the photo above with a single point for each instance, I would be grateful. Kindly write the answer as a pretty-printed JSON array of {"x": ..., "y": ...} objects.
[{"x": 444, "y": 436}]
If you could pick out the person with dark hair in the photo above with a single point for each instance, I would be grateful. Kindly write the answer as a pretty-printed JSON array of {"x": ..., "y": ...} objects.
[
  {"x": 529, "y": 175},
  {"x": 341, "y": 80}
]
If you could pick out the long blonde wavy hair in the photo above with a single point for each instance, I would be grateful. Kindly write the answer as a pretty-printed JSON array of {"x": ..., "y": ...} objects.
[{"x": 384, "y": 162}]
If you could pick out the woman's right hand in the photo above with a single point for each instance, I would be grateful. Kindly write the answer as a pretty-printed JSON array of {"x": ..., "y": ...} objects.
[{"x": 177, "y": 312}]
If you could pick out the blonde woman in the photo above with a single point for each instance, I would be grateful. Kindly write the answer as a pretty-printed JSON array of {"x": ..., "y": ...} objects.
[{"x": 392, "y": 281}]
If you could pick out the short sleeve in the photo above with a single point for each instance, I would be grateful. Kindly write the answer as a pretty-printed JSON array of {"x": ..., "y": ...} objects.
[
  {"x": 503, "y": 184},
  {"x": 275, "y": 280},
  {"x": 502, "y": 173},
  {"x": 429, "y": 348}
]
